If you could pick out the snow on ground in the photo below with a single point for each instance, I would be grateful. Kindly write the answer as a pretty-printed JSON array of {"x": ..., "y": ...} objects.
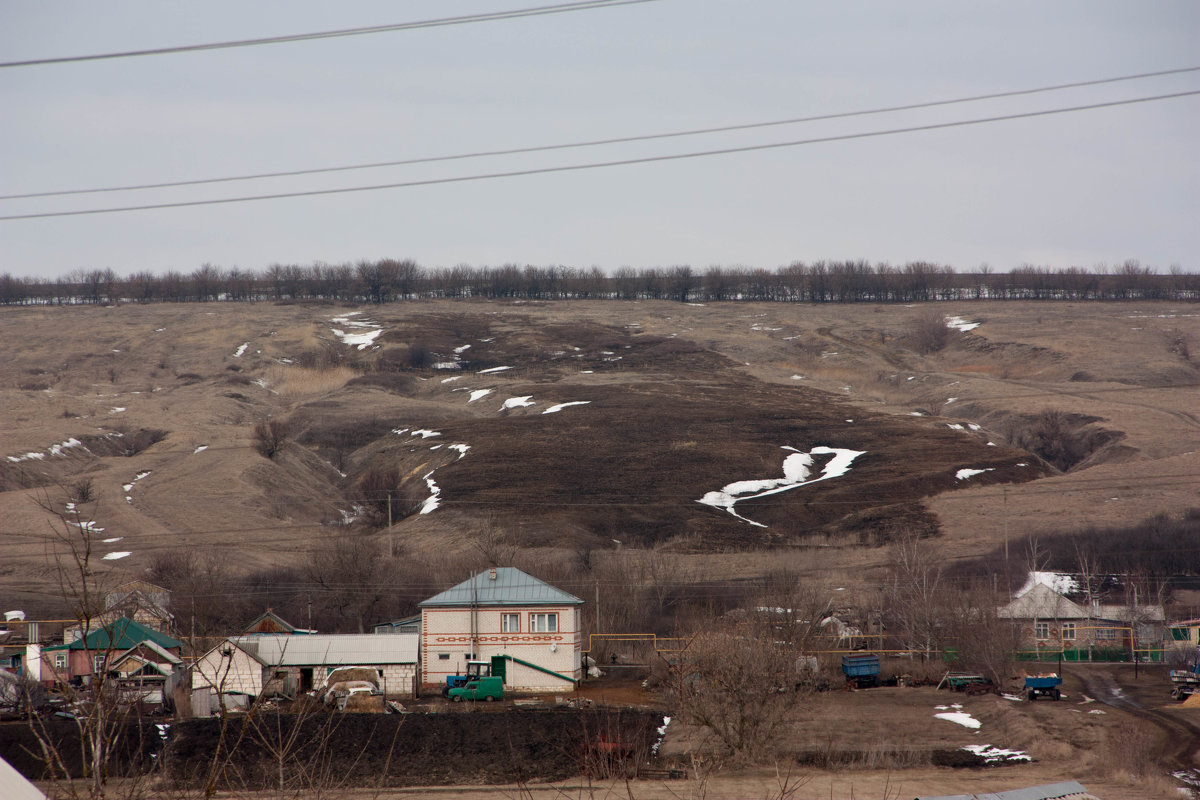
[
  {"x": 200, "y": 449},
  {"x": 117, "y": 555},
  {"x": 435, "y": 493},
  {"x": 662, "y": 733},
  {"x": 425, "y": 433},
  {"x": 363, "y": 338},
  {"x": 556, "y": 408},
  {"x": 490, "y": 370},
  {"x": 455, "y": 378},
  {"x": 963, "y": 474},
  {"x": 128, "y": 487},
  {"x": 461, "y": 448},
  {"x": 994, "y": 755},
  {"x": 517, "y": 402},
  {"x": 796, "y": 471},
  {"x": 960, "y": 324},
  {"x": 956, "y": 715},
  {"x": 478, "y": 394},
  {"x": 241, "y": 350},
  {"x": 54, "y": 450}
]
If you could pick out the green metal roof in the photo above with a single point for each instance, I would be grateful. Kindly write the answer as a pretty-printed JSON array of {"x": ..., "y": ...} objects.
[
  {"x": 125, "y": 633},
  {"x": 503, "y": 586}
]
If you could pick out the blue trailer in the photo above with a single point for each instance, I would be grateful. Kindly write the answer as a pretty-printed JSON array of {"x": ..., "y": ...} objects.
[
  {"x": 1043, "y": 686},
  {"x": 861, "y": 669}
]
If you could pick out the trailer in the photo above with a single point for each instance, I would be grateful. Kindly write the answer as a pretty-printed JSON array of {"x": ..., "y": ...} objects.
[
  {"x": 1043, "y": 686},
  {"x": 1184, "y": 683},
  {"x": 861, "y": 669}
]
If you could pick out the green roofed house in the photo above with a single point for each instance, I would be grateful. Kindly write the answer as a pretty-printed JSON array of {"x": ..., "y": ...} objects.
[
  {"x": 120, "y": 642},
  {"x": 526, "y": 627}
]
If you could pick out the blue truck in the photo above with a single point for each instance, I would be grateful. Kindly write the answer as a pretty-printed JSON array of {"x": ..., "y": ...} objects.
[{"x": 861, "y": 668}]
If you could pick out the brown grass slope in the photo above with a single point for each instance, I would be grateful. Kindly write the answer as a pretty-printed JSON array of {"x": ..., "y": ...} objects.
[{"x": 1077, "y": 413}]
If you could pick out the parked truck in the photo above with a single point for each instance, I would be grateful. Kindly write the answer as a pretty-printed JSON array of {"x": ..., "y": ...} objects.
[
  {"x": 486, "y": 688},
  {"x": 475, "y": 669},
  {"x": 861, "y": 669}
]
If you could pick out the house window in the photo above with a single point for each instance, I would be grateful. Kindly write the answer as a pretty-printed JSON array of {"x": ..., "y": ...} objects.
[
  {"x": 60, "y": 660},
  {"x": 1068, "y": 631},
  {"x": 510, "y": 623},
  {"x": 543, "y": 623},
  {"x": 1041, "y": 630},
  {"x": 98, "y": 663},
  {"x": 443, "y": 656},
  {"x": 1181, "y": 634},
  {"x": 1106, "y": 633}
]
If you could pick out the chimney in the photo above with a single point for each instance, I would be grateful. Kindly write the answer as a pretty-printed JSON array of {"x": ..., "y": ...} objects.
[{"x": 492, "y": 574}]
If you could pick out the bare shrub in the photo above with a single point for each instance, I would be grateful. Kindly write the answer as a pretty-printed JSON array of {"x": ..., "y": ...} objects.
[
  {"x": 270, "y": 436},
  {"x": 420, "y": 356},
  {"x": 82, "y": 491},
  {"x": 930, "y": 331}
]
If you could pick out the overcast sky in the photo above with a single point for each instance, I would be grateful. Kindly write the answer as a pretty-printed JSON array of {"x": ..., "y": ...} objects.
[{"x": 1076, "y": 189}]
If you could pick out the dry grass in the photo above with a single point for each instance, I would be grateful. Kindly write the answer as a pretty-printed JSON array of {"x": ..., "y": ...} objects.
[{"x": 303, "y": 383}]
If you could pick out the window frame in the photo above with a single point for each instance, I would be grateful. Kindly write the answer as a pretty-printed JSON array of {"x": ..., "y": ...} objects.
[
  {"x": 60, "y": 660},
  {"x": 1041, "y": 630},
  {"x": 510, "y": 622},
  {"x": 1069, "y": 632},
  {"x": 547, "y": 618}
]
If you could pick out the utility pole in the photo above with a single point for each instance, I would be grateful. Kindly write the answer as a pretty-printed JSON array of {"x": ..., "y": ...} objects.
[{"x": 391, "y": 534}]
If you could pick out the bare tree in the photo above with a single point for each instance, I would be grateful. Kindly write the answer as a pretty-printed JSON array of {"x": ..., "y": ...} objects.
[
  {"x": 101, "y": 716},
  {"x": 740, "y": 685},
  {"x": 915, "y": 595}
]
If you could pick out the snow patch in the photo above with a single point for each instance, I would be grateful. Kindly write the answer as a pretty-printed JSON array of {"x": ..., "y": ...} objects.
[
  {"x": 490, "y": 370},
  {"x": 517, "y": 402},
  {"x": 556, "y": 408},
  {"x": 963, "y": 474},
  {"x": 478, "y": 394},
  {"x": 117, "y": 555},
  {"x": 796, "y": 471},
  {"x": 435, "y": 493}
]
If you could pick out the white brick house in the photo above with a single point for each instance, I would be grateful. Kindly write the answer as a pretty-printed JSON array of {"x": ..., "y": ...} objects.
[{"x": 503, "y": 612}]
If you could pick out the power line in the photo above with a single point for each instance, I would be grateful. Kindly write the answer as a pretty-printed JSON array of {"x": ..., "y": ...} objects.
[
  {"x": 600, "y": 142},
  {"x": 605, "y": 164},
  {"x": 533, "y": 11}
]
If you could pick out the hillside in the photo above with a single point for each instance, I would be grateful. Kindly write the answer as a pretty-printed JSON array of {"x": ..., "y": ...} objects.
[{"x": 741, "y": 436}]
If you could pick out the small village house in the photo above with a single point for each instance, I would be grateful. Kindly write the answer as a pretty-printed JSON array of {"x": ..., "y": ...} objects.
[
  {"x": 1183, "y": 639},
  {"x": 138, "y": 656},
  {"x": 1051, "y": 621},
  {"x": 231, "y": 674},
  {"x": 503, "y": 612}
]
